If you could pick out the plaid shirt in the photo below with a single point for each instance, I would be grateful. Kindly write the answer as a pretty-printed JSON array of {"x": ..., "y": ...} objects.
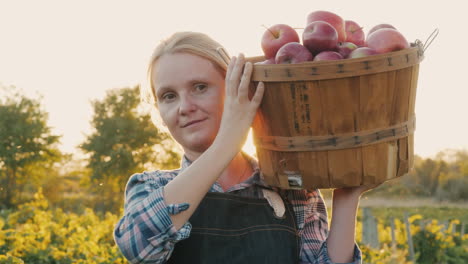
[{"x": 145, "y": 234}]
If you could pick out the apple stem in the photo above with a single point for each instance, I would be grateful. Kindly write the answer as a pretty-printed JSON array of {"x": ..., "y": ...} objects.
[{"x": 270, "y": 31}]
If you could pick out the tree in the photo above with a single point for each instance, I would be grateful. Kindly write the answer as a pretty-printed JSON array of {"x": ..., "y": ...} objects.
[
  {"x": 453, "y": 184},
  {"x": 124, "y": 142},
  {"x": 429, "y": 174},
  {"x": 25, "y": 139}
]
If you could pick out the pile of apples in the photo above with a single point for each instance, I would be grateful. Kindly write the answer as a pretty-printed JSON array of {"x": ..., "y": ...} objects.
[{"x": 328, "y": 36}]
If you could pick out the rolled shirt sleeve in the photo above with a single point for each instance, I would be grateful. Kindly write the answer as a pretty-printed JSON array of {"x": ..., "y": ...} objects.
[
  {"x": 146, "y": 234},
  {"x": 312, "y": 224},
  {"x": 323, "y": 256}
]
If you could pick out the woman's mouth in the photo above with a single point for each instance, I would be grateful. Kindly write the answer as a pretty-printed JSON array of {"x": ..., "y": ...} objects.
[{"x": 193, "y": 122}]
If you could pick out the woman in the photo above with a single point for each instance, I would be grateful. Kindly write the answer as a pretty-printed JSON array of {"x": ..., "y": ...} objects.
[{"x": 213, "y": 209}]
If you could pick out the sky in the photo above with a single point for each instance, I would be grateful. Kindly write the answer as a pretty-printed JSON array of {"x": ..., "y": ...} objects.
[{"x": 72, "y": 52}]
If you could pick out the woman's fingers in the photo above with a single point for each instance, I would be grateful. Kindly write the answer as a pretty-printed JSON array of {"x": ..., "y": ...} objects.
[
  {"x": 238, "y": 80},
  {"x": 234, "y": 77},
  {"x": 245, "y": 82},
  {"x": 238, "y": 108},
  {"x": 257, "y": 98},
  {"x": 230, "y": 90}
]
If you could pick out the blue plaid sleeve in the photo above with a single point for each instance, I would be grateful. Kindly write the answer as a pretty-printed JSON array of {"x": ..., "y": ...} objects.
[
  {"x": 146, "y": 234},
  {"x": 312, "y": 224},
  {"x": 325, "y": 259}
]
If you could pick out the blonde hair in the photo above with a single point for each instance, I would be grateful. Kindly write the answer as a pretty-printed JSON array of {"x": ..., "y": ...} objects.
[{"x": 190, "y": 42}]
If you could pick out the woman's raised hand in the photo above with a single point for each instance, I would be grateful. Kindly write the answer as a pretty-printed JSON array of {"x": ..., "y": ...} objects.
[{"x": 239, "y": 111}]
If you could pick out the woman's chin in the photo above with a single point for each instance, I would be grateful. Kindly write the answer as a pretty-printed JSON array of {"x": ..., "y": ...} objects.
[{"x": 197, "y": 145}]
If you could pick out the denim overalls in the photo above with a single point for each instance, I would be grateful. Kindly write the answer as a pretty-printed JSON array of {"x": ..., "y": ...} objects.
[{"x": 227, "y": 228}]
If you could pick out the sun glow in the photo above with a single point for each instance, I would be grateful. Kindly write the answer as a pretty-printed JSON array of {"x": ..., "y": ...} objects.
[{"x": 249, "y": 146}]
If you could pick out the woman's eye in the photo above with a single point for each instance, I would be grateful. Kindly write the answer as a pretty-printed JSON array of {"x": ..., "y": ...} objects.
[
  {"x": 200, "y": 87},
  {"x": 168, "y": 96}
]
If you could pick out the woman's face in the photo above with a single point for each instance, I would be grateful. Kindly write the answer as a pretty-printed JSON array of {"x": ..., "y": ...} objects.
[{"x": 190, "y": 93}]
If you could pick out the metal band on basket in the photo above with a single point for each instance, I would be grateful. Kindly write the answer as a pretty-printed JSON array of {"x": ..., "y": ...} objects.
[{"x": 335, "y": 142}]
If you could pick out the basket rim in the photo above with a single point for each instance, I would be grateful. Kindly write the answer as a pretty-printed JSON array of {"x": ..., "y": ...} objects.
[{"x": 319, "y": 70}]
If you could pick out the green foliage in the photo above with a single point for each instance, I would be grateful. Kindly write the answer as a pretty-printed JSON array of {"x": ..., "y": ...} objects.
[
  {"x": 26, "y": 141},
  {"x": 384, "y": 255},
  {"x": 8, "y": 259},
  {"x": 457, "y": 253},
  {"x": 444, "y": 178},
  {"x": 37, "y": 234},
  {"x": 63, "y": 185},
  {"x": 124, "y": 142},
  {"x": 430, "y": 248},
  {"x": 436, "y": 245},
  {"x": 433, "y": 241},
  {"x": 441, "y": 213},
  {"x": 428, "y": 174}
]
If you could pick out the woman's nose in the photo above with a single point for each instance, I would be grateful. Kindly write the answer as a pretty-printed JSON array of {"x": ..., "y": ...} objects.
[{"x": 187, "y": 105}]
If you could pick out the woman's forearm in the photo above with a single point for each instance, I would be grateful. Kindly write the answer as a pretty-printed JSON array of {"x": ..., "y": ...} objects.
[
  {"x": 341, "y": 238},
  {"x": 194, "y": 182}
]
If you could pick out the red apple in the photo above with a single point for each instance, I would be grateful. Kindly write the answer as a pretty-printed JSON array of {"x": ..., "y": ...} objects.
[
  {"x": 275, "y": 37},
  {"x": 361, "y": 52},
  {"x": 379, "y": 26},
  {"x": 319, "y": 36},
  {"x": 345, "y": 48},
  {"x": 386, "y": 40},
  {"x": 293, "y": 52},
  {"x": 328, "y": 55},
  {"x": 354, "y": 33},
  {"x": 335, "y": 20}
]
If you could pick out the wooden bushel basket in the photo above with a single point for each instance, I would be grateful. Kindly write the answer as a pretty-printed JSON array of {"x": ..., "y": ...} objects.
[{"x": 339, "y": 123}]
